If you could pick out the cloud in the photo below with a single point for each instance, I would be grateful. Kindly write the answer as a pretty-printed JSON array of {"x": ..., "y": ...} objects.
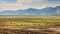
[
  {"x": 12, "y": 6},
  {"x": 23, "y": 4},
  {"x": 29, "y": 1},
  {"x": 2, "y": 2}
]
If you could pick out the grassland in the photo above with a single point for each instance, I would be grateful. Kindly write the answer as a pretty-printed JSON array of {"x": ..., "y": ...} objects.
[
  {"x": 20, "y": 24},
  {"x": 31, "y": 21}
]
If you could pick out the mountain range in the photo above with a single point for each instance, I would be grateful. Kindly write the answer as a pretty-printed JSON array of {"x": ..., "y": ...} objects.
[{"x": 33, "y": 11}]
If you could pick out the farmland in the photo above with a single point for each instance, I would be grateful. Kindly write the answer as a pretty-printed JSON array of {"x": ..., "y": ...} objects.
[{"x": 24, "y": 22}]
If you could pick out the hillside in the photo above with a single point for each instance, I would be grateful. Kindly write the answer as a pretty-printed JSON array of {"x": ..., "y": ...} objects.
[{"x": 32, "y": 11}]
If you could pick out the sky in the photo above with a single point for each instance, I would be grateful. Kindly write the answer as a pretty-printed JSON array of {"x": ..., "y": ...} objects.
[{"x": 24, "y": 4}]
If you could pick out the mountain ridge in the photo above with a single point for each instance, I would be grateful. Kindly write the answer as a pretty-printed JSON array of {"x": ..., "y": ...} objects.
[{"x": 33, "y": 11}]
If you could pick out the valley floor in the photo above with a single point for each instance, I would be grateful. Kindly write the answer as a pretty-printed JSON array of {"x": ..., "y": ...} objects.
[{"x": 30, "y": 25}]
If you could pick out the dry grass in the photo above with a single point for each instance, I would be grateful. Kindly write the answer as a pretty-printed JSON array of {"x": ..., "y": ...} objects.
[{"x": 19, "y": 25}]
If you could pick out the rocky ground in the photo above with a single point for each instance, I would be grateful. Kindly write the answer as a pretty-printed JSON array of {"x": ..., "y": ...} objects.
[{"x": 30, "y": 31}]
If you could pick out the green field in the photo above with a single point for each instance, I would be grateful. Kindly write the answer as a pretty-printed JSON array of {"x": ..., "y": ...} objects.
[{"x": 41, "y": 21}]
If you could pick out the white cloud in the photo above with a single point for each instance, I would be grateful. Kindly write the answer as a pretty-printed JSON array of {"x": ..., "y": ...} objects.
[
  {"x": 29, "y": 1},
  {"x": 15, "y": 6},
  {"x": 12, "y": 6},
  {"x": 23, "y": 4}
]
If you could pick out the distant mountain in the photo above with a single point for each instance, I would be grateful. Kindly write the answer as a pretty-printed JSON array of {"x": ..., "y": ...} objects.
[
  {"x": 32, "y": 11},
  {"x": 7, "y": 12}
]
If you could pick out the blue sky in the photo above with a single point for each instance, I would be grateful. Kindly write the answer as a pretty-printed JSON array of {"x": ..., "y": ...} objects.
[
  {"x": 9, "y": 1},
  {"x": 23, "y": 4}
]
